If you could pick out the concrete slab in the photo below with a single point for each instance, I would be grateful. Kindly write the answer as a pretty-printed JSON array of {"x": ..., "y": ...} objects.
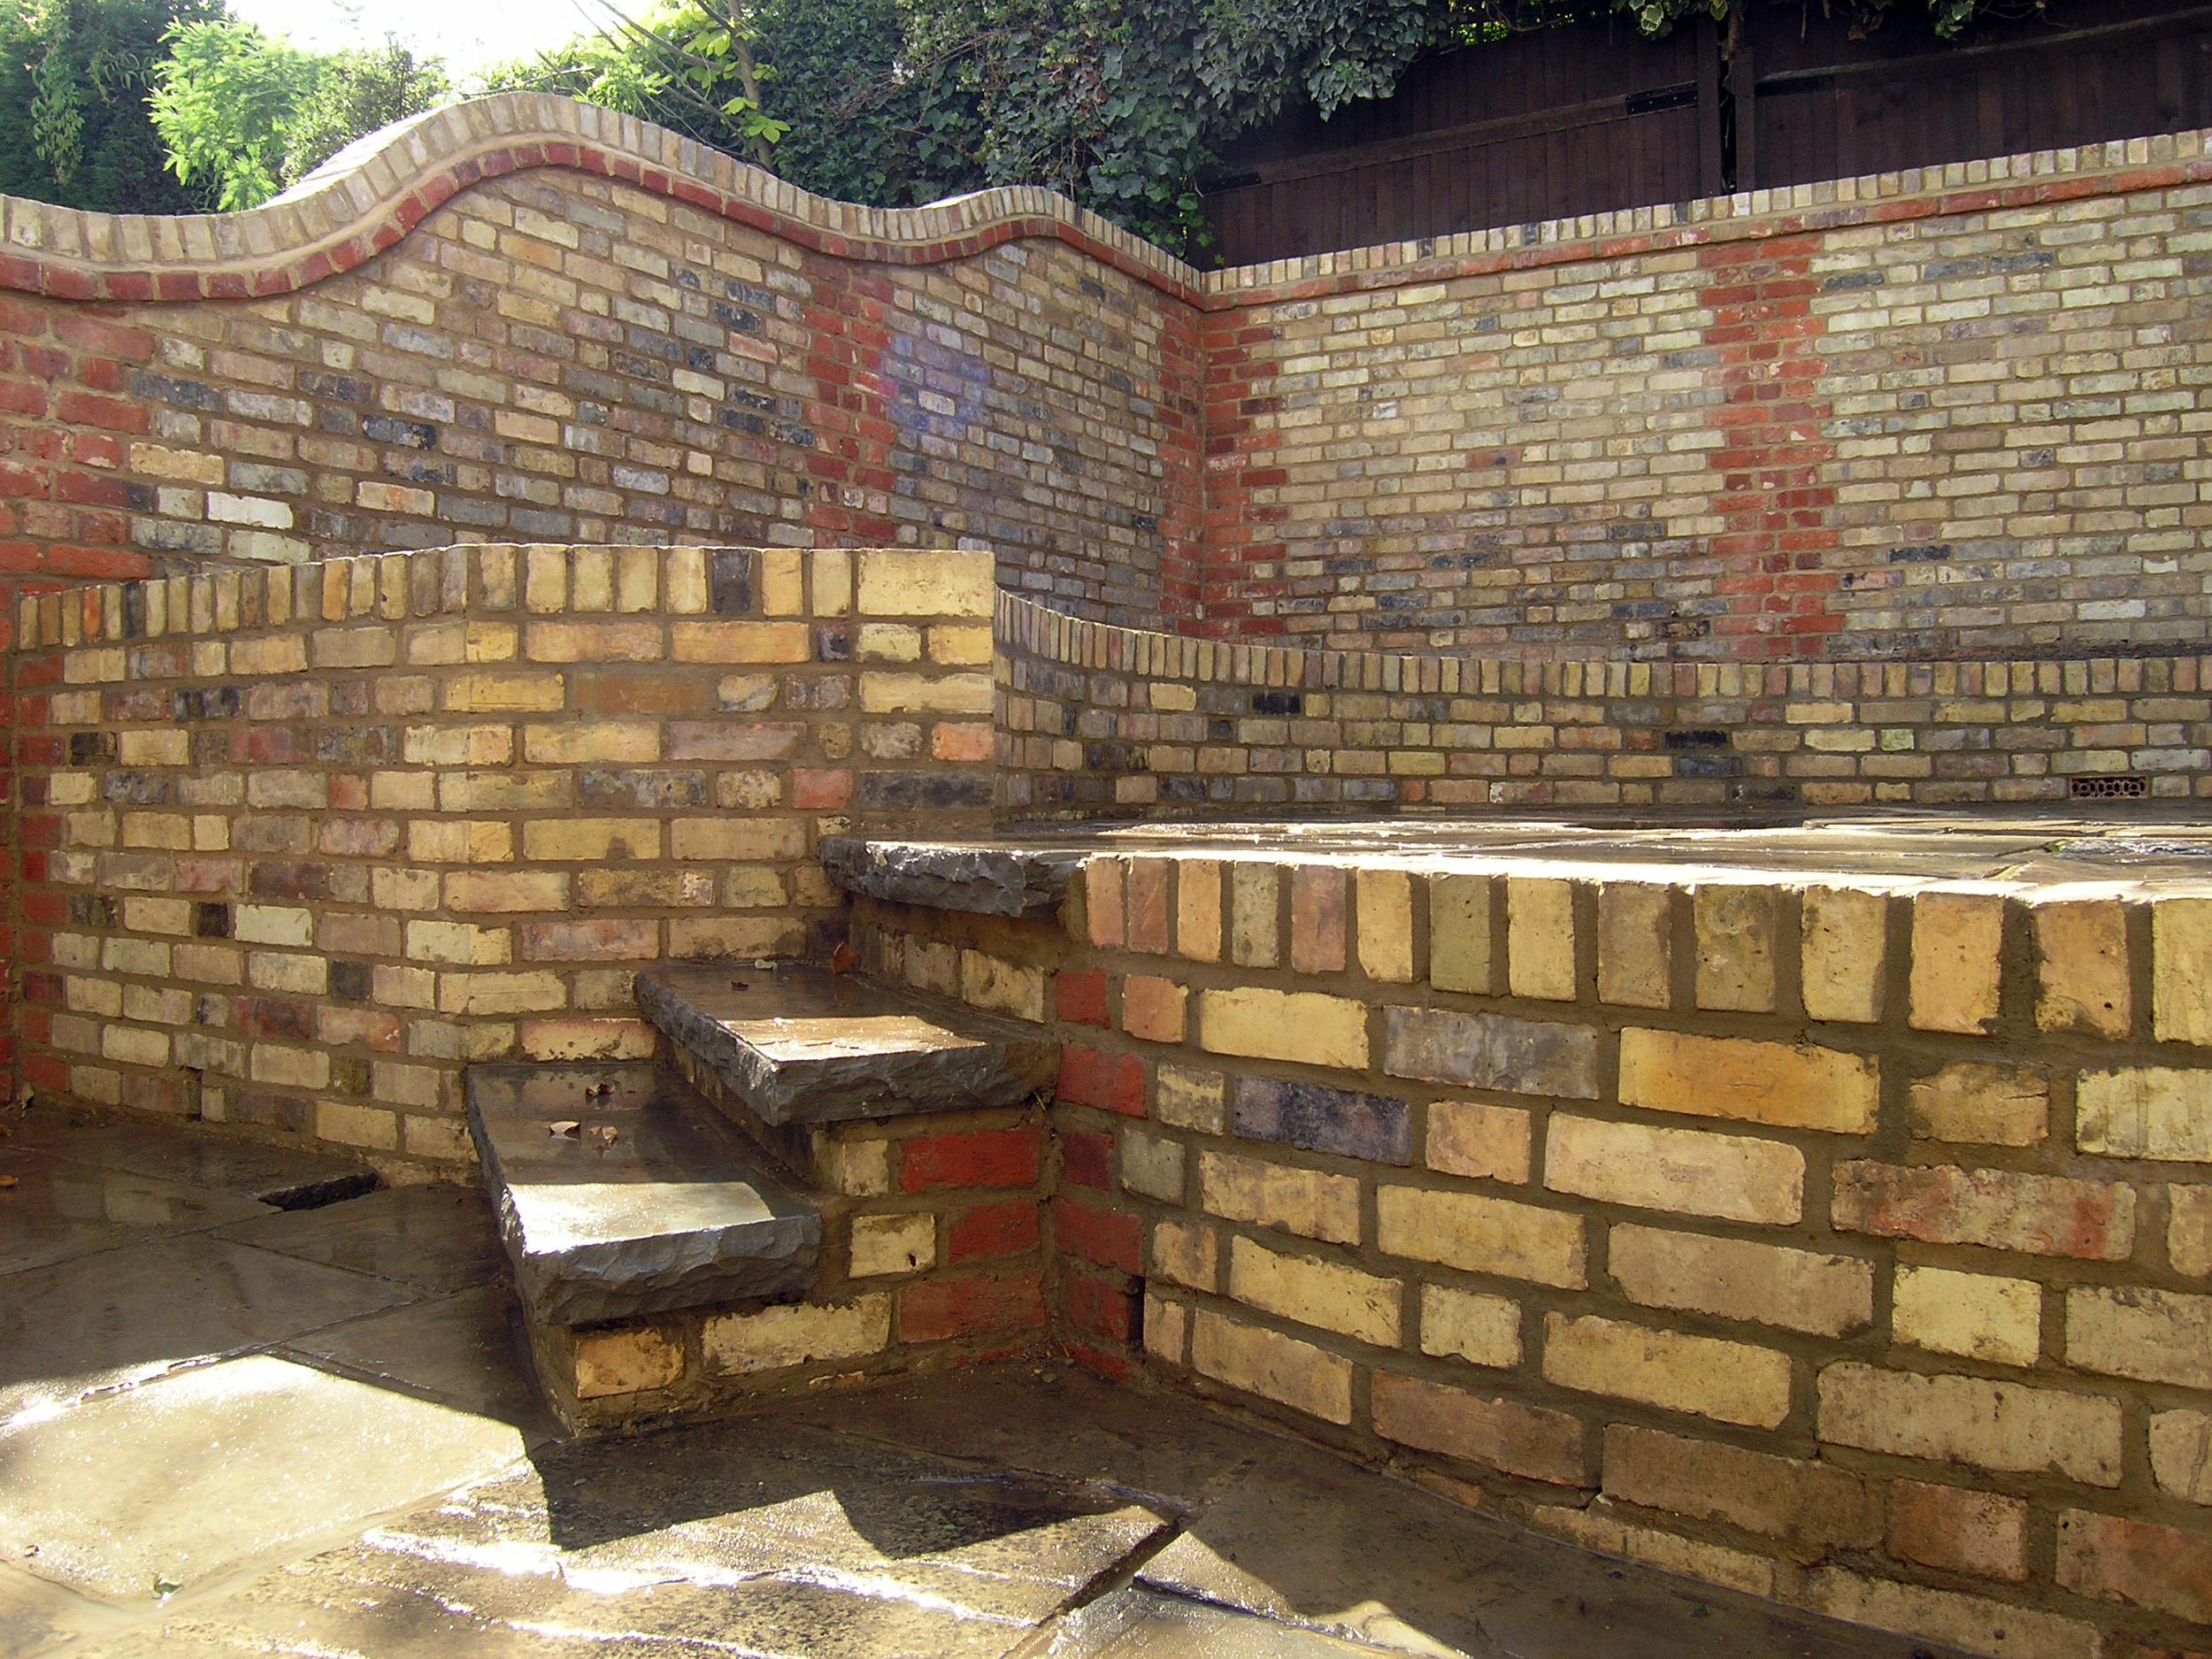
[
  {"x": 58, "y": 1209},
  {"x": 438, "y": 1238},
  {"x": 37, "y": 1617},
  {"x": 125, "y": 1315},
  {"x": 283, "y": 1177},
  {"x": 648, "y": 1201},
  {"x": 463, "y": 1350},
  {"x": 1308, "y": 1541},
  {"x": 191, "y": 1477},
  {"x": 803, "y": 1045}
]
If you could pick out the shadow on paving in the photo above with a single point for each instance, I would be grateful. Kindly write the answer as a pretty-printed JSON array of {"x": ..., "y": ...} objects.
[{"x": 227, "y": 1429}]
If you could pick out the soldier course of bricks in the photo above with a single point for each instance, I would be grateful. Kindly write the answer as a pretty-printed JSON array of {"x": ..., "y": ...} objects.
[{"x": 1567, "y": 858}]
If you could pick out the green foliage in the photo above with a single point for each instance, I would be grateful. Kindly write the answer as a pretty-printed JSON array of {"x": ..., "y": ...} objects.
[
  {"x": 74, "y": 78},
  {"x": 243, "y": 115}
]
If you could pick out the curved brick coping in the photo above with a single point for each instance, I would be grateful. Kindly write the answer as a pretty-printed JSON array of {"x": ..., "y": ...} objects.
[
  {"x": 1078, "y": 643},
  {"x": 369, "y": 195}
]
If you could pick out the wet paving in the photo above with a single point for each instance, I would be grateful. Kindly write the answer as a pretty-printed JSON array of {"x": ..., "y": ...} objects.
[{"x": 230, "y": 1429}]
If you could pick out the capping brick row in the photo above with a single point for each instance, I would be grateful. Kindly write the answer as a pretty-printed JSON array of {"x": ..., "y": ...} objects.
[{"x": 1093, "y": 715}]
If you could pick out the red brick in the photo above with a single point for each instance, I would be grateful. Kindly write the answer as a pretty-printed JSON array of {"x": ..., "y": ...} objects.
[
  {"x": 1146, "y": 888},
  {"x": 1102, "y": 1306},
  {"x": 989, "y": 1230},
  {"x": 1078, "y": 996},
  {"x": 816, "y": 790},
  {"x": 1317, "y": 918},
  {"x": 1112, "y": 1082},
  {"x": 991, "y": 1157},
  {"x": 1105, "y": 1236},
  {"x": 2042, "y": 1215},
  {"x": 2119, "y": 1560},
  {"x": 1960, "y": 1529},
  {"x": 1083, "y": 1157},
  {"x": 938, "y": 1310}
]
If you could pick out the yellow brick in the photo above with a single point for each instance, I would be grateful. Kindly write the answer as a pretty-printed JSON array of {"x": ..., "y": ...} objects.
[
  {"x": 1541, "y": 937},
  {"x": 1794, "y": 1085},
  {"x": 1303, "y": 1026},
  {"x": 1384, "y": 902},
  {"x": 781, "y": 591},
  {"x": 596, "y": 839},
  {"x": 1275, "y": 1367},
  {"x": 741, "y": 642},
  {"x": 1309, "y": 1202},
  {"x": 1255, "y": 915},
  {"x": 1844, "y": 954},
  {"x": 1735, "y": 947},
  {"x": 1732, "y": 1382},
  {"x": 1986, "y": 1105},
  {"x": 626, "y": 1361},
  {"x": 1978, "y": 1316},
  {"x": 1198, "y": 908},
  {"x": 740, "y": 840},
  {"x": 1324, "y": 1294},
  {"x": 507, "y": 891},
  {"x": 1469, "y": 1138},
  {"x": 1635, "y": 944},
  {"x": 505, "y": 694},
  {"x": 2181, "y": 970},
  {"x": 629, "y": 743},
  {"x": 892, "y": 1244},
  {"x": 1465, "y": 1324},
  {"x": 796, "y": 1333},
  {"x": 936, "y": 583},
  {"x": 1955, "y": 971},
  {"x": 1483, "y": 1235},
  {"x": 884, "y": 693},
  {"x": 2082, "y": 953}
]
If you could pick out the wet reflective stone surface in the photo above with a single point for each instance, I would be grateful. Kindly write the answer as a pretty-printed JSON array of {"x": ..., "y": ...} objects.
[{"x": 313, "y": 1434}]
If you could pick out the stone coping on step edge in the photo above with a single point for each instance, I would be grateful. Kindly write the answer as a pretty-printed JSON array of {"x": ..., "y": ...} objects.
[{"x": 373, "y": 193}]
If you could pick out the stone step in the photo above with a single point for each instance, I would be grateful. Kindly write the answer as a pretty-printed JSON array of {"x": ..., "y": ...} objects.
[
  {"x": 982, "y": 877},
  {"x": 801, "y": 1045},
  {"x": 652, "y": 1201}
]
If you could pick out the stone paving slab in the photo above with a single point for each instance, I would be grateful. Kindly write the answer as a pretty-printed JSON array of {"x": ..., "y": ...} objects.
[
  {"x": 465, "y": 1350},
  {"x": 1137, "y": 1623},
  {"x": 283, "y": 1177},
  {"x": 438, "y": 1238},
  {"x": 128, "y": 1314},
  {"x": 58, "y": 1209},
  {"x": 189, "y": 1478}
]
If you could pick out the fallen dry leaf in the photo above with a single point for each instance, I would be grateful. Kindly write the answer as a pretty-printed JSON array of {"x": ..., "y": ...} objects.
[{"x": 567, "y": 1126}]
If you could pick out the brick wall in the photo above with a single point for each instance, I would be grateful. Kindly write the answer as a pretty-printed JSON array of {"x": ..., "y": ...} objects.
[
  {"x": 1945, "y": 413},
  {"x": 1099, "y": 719},
  {"x": 1838, "y": 1238},
  {"x": 614, "y": 337},
  {"x": 297, "y": 844}
]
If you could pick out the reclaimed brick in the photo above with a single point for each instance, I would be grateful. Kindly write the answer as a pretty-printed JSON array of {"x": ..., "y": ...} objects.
[
  {"x": 1998, "y": 1209},
  {"x": 1275, "y": 1367},
  {"x": 1467, "y": 1324},
  {"x": 2114, "y": 1558},
  {"x": 1494, "y": 1051},
  {"x": 1988, "y": 1105},
  {"x": 1541, "y": 937},
  {"x": 1481, "y": 1234},
  {"x": 1311, "y": 1202},
  {"x": 1154, "y": 1010},
  {"x": 2181, "y": 969},
  {"x": 2084, "y": 982},
  {"x": 1737, "y": 1279},
  {"x": 796, "y": 1334},
  {"x": 1793, "y": 1085},
  {"x": 1315, "y": 1119},
  {"x": 1635, "y": 944},
  {"x": 2134, "y": 1330},
  {"x": 1956, "y": 973},
  {"x": 1503, "y": 1434},
  {"x": 1731, "y": 1382},
  {"x": 1327, "y": 1294},
  {"x": 1731, "y": 1177},
  {"x": 1959, "y": 1530},
  {"x": 1384, "y": 902},
  {"x": 1188, "y": 1098},
  {"x": 1976, "y": 1315},
  {"x": 2158, "y": 1112},
  {"x": 1843, "y": 953},
  {"x": 2007, "y": 1427},
  {"x": 1812, "y": 1508},
  {"x": 1461, "y": 953},
  {"x": 1198, "y": 908},
  {"x": 1488, "y": 1142},
  {"x": 1735, "y": 929},
  {"x": 1303, "y": 1026}
]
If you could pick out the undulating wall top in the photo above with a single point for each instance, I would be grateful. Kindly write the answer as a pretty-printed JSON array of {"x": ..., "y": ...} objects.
[{"x": 1949, "y": 413}]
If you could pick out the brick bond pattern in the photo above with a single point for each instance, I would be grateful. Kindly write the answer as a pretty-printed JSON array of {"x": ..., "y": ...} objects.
[
  {"x": 298, "y": 844},
  {"x": 1936, "y": 414},
  {"x": 1838, "y": 1240},
  {"x": 1094, "y": 718},
  {"x": 581, "y": 342}
]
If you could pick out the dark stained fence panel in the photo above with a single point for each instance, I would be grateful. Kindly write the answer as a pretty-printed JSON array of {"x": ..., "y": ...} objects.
[{"x": 1595, "y": 116}]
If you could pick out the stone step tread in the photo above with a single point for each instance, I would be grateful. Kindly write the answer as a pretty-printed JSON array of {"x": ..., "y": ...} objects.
[
  {"x": 800, "y": 1044},
  {"x": 981, "y": 877},
  {"x": 653, "y": 1202}
]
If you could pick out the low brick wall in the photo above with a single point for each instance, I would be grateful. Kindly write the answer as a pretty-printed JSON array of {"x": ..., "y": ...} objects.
[
  {"x": 1843, "y": 1240},
  {"x": 1100, "y": 719},
  {"x": 297, "y": 845}
]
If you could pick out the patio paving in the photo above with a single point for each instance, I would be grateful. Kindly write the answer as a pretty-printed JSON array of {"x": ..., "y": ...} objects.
[{"x": 227, "y": 1429}]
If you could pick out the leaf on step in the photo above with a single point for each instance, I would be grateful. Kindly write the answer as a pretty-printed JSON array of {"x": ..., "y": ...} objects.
[
  {"x": 7, "y": 1180},
  {"x": 566, "y": 1126}
]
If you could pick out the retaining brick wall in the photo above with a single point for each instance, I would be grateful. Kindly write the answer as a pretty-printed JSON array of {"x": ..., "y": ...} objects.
[
  {"x": 296, "y": 845},
  {"x": 1096, "y": 719},
  {"x": 1837, "y": 1238}
]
